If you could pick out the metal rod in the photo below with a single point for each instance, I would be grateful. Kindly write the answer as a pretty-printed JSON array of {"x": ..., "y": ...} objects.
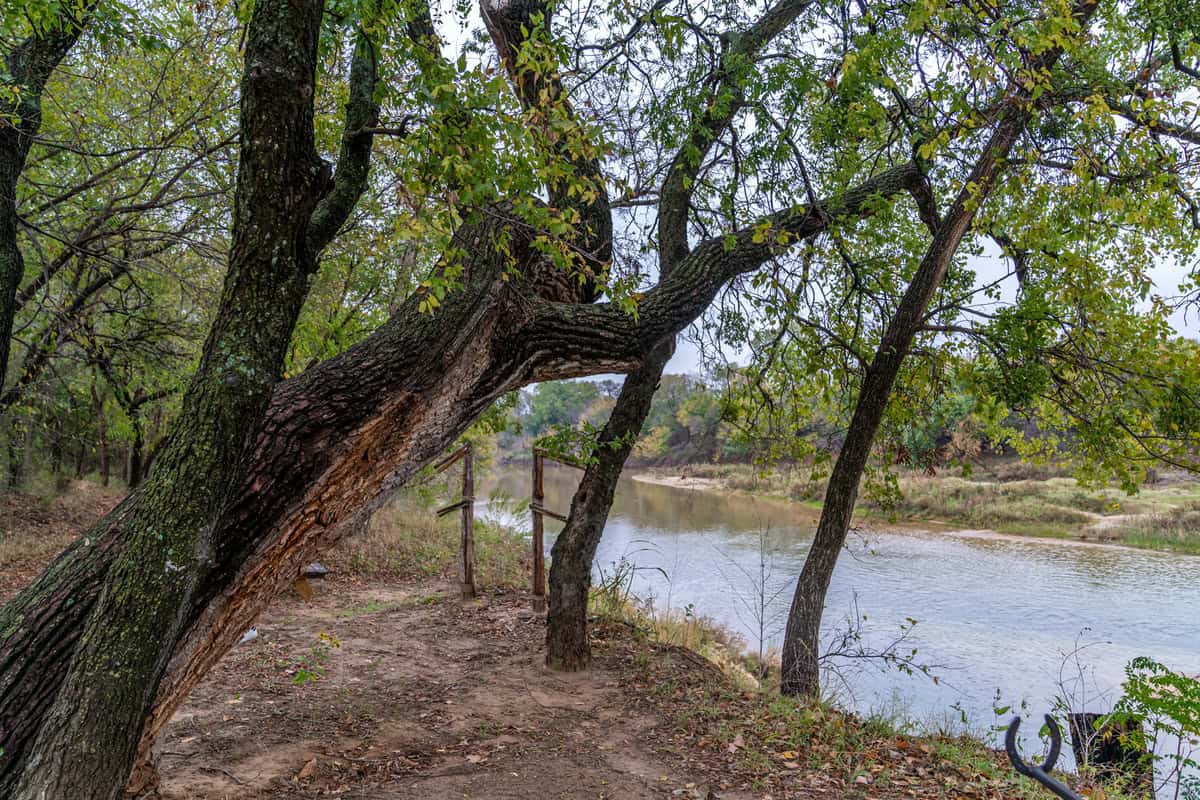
[{"x": 1040, "y": 773}]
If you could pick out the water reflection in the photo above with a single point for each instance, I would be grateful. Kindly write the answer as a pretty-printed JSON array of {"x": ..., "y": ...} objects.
[{"x": 1000, "y": 615}]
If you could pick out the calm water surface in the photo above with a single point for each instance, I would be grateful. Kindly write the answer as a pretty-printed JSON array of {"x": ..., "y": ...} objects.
[{"x": 999, "y": 617}]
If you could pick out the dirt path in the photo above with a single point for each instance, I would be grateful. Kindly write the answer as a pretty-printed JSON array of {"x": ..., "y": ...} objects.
[
  {"x": 419, "y": 698},
  {"x": 399, "y": 692}
]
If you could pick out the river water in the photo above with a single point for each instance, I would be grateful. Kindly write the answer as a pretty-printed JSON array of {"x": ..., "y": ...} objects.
[{"x": 1002, "y": 618}]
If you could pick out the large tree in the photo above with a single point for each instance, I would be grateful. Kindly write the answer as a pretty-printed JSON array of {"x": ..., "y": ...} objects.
[{"x": 719, "y": 122}]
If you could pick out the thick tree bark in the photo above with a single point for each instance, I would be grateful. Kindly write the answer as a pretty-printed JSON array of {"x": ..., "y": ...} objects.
[
  {"x": 29, "y": 64},
  {"x": 88, "y": 737},
  {"x": 342, "y": 435},
  {"x": 800, "y": 657}
]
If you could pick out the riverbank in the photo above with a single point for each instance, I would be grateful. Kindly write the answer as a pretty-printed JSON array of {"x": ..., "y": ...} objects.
[
  {"x": 384, "y": 685},
  {"x": 1162, "y": 516}
]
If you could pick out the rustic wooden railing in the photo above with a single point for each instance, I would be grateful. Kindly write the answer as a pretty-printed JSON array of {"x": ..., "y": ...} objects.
[{"x": 466, "y": 549}]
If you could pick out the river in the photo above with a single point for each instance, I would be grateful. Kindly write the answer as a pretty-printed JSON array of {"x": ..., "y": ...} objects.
[{"x": 1003, "y": 619}]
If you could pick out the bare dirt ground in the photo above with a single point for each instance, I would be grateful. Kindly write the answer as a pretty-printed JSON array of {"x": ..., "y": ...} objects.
[
  {"x": 392, "y": 688},
  {"x": 34, "y": 529},
  {"x": 416, "y": 695}
]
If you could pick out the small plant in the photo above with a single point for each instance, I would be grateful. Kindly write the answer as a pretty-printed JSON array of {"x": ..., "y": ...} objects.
[
  {"x": 1167, "y": 704},
  {"x": 857, "y": 645},
  {"x": 311, "y": 666},
  {"x": 760, "y": 592}
]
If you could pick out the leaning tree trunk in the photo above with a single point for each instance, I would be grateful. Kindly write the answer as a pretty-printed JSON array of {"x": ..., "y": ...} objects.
[
  {"x": 574, "y": 550},
  {"x": 88, "y": 737},
  {"x": 800, "y": 657},
  {"x": 337, "y": 438}
]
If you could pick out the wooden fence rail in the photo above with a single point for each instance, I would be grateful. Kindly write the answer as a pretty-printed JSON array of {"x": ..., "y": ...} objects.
[{"x": 466, "y": 548}]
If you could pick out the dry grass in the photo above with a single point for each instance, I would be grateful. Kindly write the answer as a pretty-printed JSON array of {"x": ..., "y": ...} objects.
[
  {"x": 1177, "y": 529},
  {"x": 1052, "y": 507},
  {"x": 405, "y": 539}
]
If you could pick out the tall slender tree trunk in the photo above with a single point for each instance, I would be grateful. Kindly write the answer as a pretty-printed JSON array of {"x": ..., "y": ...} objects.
[
  {"x": 29, "y": 64},
  {"x": 102, "y": 449},
  {"x": 567, "y": 646},
  {"x": 800, "y": 657},
  {"x": 16, "y": 455},
  {"x": 80, "y": 459},
  {"x": 574, "y": 550},
  {"x": 56, "y": 448},
  {"x": 136, "y": 453}
]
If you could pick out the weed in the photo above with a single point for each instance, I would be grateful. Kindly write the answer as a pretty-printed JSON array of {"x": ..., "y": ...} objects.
[
  {"x": 1177, "y": 529},
  {"x": 311, "y": 665},
  {"x": 406, "y": 539}
]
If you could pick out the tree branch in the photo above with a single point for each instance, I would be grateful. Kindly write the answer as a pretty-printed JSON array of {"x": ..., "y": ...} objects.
[
  {"x": 354, "y": 159},
  {"x": 725, "y": 100}
]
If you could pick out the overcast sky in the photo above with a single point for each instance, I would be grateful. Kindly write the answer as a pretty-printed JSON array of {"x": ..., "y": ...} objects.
[{"x": 1167, "y": 279}]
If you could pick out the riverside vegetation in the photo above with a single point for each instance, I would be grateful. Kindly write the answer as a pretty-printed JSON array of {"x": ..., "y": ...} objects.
[
  {"x": 944, "y": 469},
  {"x": 1003, "y": 497}
]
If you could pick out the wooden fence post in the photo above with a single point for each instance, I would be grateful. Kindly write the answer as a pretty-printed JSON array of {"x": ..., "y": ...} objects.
[
  {"x": 467, "y": 545},
  {"x": 539, "y": 547},
  {"x": 466, "y": 549}
]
